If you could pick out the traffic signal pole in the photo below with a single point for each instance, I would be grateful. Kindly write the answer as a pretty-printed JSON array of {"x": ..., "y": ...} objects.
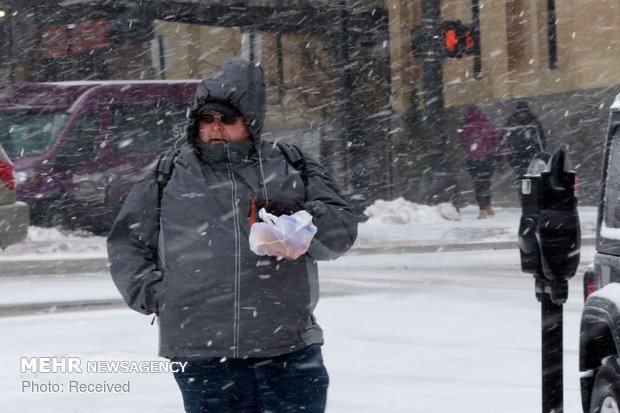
[
  {"x": 438, "y": 171},
  {"x": 434, "y": 40},
  {"x": 433, "y": 61}
]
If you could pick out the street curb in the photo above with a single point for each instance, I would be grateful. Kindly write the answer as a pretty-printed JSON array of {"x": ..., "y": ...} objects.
[
  {"x": 386, "y": 248},
  {"x": 98, "y": 265},
  {"x": 53, "y": 267},
  {"x": 417, "y": 249},
  {"x": 12, "y": 310}
]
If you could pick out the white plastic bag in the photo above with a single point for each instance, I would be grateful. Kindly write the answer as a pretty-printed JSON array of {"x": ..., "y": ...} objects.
[{"x": 286, "y": 236}]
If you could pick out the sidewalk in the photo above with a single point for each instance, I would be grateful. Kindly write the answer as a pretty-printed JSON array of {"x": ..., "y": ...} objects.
[
  {"x": 420, "y": 228},
  {"x": 396, "y": 226}
]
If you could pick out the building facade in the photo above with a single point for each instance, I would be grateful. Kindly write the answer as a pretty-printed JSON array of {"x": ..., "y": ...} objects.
[{"x": 342, "y": 76}]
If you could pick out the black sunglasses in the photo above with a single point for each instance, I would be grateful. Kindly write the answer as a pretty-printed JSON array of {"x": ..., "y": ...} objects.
[{"x": 225, "y": 119}]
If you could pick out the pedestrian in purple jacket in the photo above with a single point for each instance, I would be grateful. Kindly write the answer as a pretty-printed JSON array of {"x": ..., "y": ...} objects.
[{"x": 482, "y": 144}]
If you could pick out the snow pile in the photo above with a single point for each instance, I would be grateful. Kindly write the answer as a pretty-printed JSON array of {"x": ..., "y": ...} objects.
[
  {"x": 56, "y": 243},
  {"x": 396, "y": 223},
  {"x": 54, "y": 234},
  {"x": 401, "y": 211}
]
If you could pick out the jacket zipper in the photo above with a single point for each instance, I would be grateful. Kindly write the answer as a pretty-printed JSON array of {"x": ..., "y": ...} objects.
[{"x": 237, "y": 256}]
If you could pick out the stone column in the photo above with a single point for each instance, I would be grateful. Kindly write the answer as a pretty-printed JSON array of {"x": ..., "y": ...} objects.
[
  {"x": 403, "y": 15},
  {"x": 494, "y": 43}
]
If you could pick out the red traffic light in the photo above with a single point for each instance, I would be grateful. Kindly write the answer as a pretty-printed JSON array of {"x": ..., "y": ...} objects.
[
  {"x": 470, "y": 41},
  {"x": 459, "y": 39},
  {"x": 451, "y": 38}
]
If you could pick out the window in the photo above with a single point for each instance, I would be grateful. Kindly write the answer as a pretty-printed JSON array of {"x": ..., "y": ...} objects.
[
  {"x": 82, "y": 144},
  {"x": 145, "y": 128},
  {"x": 612, "y": 187},
  {"x": 24, "y": 134},
  {"x": 552, "y": 35}
]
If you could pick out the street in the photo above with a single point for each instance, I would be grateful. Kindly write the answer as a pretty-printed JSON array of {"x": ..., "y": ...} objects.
[
  {"x": 439, "y": 331},
  {"x": 427, "y": 141}
]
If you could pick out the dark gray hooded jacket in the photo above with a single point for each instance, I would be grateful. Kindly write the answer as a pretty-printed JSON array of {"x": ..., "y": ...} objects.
[{"x": 191, "y": 262}]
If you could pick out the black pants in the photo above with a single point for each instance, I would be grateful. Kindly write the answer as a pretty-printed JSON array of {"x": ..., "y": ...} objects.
[
  {"x": 481, "y": 173},
  {"x": 295, "y": 382}
]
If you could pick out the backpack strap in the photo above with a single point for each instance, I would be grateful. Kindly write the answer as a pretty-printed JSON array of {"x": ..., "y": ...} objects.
[
  {"x": 165, "y": 165},
  {"x": 295, "y": 157},
  {"x": 163, "y": 172}
]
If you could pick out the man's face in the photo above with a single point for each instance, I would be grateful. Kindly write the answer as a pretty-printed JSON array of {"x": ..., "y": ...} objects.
[{"x": 217, "y": 128}]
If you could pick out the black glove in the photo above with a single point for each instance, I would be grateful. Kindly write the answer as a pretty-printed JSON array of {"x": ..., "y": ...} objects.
[{"x": 278, "y": 208}]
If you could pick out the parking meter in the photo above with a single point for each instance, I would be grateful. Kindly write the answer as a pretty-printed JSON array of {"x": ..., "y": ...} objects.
[
  {"x": 549, "y": 243},
  {"x": 529, "y": 246},
  {"x": 549, "y": 231},
  {"x": 558, "y": 223}
]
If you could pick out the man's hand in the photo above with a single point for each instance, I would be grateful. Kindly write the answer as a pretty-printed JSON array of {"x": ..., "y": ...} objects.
[{"x": 278, "y": 208}]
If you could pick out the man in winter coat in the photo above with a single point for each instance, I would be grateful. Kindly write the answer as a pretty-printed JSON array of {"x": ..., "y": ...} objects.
[
  {"x": 244, "y": 323},
  {"x": 523, "y": 138},
  {"x": 482, "y": 144}
]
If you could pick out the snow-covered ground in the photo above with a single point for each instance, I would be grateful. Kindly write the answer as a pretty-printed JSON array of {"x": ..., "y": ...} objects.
[
  {"x": 433, "y": 331},
  {"x": 444, "y": 332}
]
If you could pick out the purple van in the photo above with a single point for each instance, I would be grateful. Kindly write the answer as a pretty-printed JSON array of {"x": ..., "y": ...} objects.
[{"x": 78, "y": 147}]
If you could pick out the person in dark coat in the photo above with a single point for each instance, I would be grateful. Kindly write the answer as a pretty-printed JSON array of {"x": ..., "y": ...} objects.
[
  {"x": 244, "y": 323},
  {"x": 523, "y": 138},
  {"x": 482, "y": 144}
]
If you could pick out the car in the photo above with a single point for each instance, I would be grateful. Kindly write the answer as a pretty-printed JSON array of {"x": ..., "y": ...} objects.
[
  {"x": 78, "y": 147},
  {"x": 599, "y": 347},
  {"x": 14, "y": 215}
]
